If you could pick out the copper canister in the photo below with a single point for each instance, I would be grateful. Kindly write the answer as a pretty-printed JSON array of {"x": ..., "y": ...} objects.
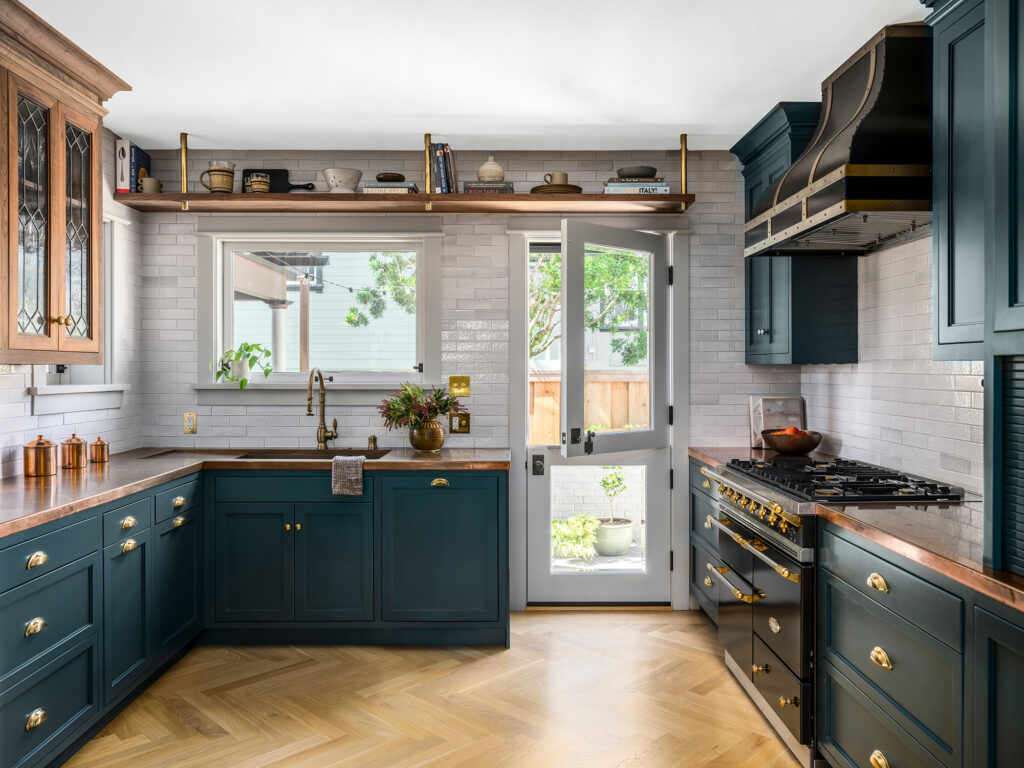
[
  {"x": 40, "y": 457},
  {"x": 99, "y": 451},
  {"x": 73, "y": 452}
]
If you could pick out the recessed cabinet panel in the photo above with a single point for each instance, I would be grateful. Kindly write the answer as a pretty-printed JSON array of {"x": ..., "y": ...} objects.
[
  {"x": 177, "y": 584},
  {"x": 254, "y": 558},
  {"x": 334, "y": 562},
  {"x": 998, "y": 691},
  {"x": 127, "y": 650}
]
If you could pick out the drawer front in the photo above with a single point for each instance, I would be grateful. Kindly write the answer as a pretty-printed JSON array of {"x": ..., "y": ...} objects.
[
  {"x": 779, "y": 618},
  {"x": 46, "y": 553},
  {"x": 125, "y": 521},
  {"x": 700, "y": 507},
  {"x": 923, "y": 688},
  {"x": 703, "y": 581},
  {"x": 699, "y": 482},
  {"x": 37, "y": 617},
  {"x": 786, "y": 695},
  {"x": 934, "y": 610},
  {"x": 850, "y": 728},
  {"x": 176, "y": 500},
  {"x": 65, "y": 690},
  {"x": 294, "y": 488}
]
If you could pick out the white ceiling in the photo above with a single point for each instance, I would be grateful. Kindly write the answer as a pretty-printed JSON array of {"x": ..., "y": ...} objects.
[{"x": 480, "y": 74}]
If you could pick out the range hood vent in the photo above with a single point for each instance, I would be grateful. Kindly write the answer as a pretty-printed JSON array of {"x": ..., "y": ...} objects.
[{"x": 864, "y": 181}]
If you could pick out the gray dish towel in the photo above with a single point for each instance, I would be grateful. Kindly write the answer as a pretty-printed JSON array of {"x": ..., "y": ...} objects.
[{"x": 347, "y": 475}]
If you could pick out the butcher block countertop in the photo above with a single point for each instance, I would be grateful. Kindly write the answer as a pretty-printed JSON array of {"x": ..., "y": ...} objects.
[
  {"x": 26, "y": 502},
  {"x": 940, "y": 537}
]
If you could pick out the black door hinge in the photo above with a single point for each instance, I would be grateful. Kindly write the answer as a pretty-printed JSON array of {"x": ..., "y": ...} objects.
[
  {"x": 671, "y": 479},
  {"x": 671, "y": 560},
  {"x": 671, "y": 414},
  {"x": 671, "y": 272}
]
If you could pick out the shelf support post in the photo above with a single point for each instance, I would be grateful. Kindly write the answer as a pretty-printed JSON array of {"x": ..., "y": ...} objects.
[
  {"x": 426, "y": 166},
  {"x": 682, "y": 165},
  {"x": 184, "y": 169}
]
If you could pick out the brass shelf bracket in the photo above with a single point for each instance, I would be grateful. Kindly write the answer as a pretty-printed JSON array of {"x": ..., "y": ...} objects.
[
  {"x": 426, "y": 168},
  {"x": 184, "y": 169},
  {"x": 682, "y": 165}
]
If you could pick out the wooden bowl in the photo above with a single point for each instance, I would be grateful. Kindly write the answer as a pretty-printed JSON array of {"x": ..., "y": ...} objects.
[
  {"x": 791, "y": 443},
  {"x": 389, "y": 176}
]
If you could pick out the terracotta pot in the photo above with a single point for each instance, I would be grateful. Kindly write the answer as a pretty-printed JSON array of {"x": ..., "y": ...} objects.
[{"x": 427, "y": 439}]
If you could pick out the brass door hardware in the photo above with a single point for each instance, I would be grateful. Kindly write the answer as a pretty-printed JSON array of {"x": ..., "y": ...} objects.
[
  {"x": 36, "y": 718},
  {"x": 755, "y": 548},
  {"x": 34, "y": 627},
  {"x": 705, "y": 482},
  {"x": 774, "y": 625},
  {"x": 298, "y": 527},
  {"x": 179, "y": 521},
  {"x": 36, "y": 559},
  {"x": 881, "y": 658},
  {"x": 179, "y": 502},
  {"x": 129, "y": 546},
  {"x": 439, "y": 482},
  {"x": 287, "y": 526},
  {"x": 737, "y": 593},
  {"x": 67, "y": 322},
  {"x": 791, "y": 702},
  {"x": 128, "y": 522},
  {"x": 878, "y": 760},
  {"x": 708, "y": 582},
  {"x": 766, "y": 668},
  {"x": 875, "y": 581}
]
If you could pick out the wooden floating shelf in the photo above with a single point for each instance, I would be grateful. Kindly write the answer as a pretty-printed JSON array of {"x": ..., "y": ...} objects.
[{"x": 299, "y": 202}]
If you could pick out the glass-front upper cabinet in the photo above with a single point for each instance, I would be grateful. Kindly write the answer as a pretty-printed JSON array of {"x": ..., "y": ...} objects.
[{"x": 53, "y": 202}]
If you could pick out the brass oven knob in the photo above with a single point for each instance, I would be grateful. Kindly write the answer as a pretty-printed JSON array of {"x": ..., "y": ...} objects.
[
  {"x": 762, "y": 512},
  {"x": 791, "y": 702},
  {"x": 783, "y": 525},
  {"x": 772, "y": 518},
  {"x": 760, "y": 668},
  {"x": 744, "y": 501}
]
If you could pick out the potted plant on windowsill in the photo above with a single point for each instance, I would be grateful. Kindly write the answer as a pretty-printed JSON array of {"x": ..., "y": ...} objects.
[
  {"x": 615, "y": 534},
  {"x": 411, "y": 407},
  {"x": 236, "y": 365}
]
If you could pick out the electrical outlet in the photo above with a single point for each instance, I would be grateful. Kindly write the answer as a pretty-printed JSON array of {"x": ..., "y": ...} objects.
[
  {"x": 191, "y": 424},
  {"x": 458, "y": 424}
]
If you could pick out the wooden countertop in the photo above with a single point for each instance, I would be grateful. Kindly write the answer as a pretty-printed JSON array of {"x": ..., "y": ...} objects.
[
  {"x": 926, "y": 535},
  {"x": 26, "y": 502}
]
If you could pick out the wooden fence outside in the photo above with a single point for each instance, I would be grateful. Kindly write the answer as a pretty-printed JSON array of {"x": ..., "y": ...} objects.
[{"x": 612, "y": 400}]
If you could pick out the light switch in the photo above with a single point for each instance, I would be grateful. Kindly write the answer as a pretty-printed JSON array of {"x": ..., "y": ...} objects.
[
  {"x": 191, "y": 424},
  {"x": 458, "y": 386}
]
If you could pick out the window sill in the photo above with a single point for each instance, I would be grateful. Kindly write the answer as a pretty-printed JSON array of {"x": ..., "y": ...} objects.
[
  {"x": 65, "y": 398},
  {"x": 294, "y": 393}
]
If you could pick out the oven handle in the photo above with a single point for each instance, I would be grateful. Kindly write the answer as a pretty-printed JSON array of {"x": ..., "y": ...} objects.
[
  {"x": 737, "y": 593},
  {"x": 756, "y": 548}
]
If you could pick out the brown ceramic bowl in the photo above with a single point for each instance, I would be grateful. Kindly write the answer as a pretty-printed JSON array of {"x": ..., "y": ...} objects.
[
  {"x": 388, "y": 176},
  {"x": 791, "y": 443}
]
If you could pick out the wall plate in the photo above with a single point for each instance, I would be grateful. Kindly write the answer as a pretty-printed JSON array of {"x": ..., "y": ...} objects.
[
  {"x": 191, "y": 424},
  {"x": 458, "y": 386},
  {"x": 458, "y": 424}
]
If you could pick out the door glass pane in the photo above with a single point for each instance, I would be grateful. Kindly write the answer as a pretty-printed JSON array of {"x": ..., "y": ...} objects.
[
  {"x": 33, "y": 188},
  {"x": 598, "y": 519},
  {"x": 617, "y": 364},
  {"x": 79, "y": 230},
  {"x": 544, "y": 349}
]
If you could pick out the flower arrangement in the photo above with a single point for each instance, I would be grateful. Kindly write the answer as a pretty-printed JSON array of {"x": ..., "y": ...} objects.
[{"x": 411, "y": 407}]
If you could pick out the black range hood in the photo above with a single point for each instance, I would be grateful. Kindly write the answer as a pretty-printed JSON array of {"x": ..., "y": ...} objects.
[{"x": 864, "y": 181}]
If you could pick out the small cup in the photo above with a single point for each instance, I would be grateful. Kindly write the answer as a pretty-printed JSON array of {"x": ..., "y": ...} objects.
[
  {"x": 257, "y": 182},
  {"x": 150, "y": 186},
  {"x": 558, "y": 177}
]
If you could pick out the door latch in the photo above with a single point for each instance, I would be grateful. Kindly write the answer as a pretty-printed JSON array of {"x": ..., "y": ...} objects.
[
  {"x": 588, "y": 445},
  {"x": 538, "y": 464},
  {"x": 574, "y": 436}
]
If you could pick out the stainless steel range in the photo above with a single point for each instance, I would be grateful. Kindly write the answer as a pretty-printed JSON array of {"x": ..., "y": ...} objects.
[{"x": 766, "y": 527}]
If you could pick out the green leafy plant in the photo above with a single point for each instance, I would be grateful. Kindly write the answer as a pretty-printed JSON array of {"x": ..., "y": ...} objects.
[
  {"x": 574, "y": 536},
  {"x": 614, "y": 484},
  {"x": 256, "y": 355},
  {"x": 394, "y": 276},
  {"x": 411, "y": 407}
]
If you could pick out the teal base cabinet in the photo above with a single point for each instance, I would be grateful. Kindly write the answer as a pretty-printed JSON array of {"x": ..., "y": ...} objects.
[
  {"x": 334, "y": 561},
  {"x": 178, "y": 585},
  {"x": 998, "y": 690},
  {"x": 128, "y": 636}
]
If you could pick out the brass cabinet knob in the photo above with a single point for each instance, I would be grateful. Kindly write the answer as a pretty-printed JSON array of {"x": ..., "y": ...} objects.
[
  {"x": 790, "y": 702},
  {"x": 761, "y": 668},
  {"x": 36, "y": 559},
  {"x": 128, "y": 522},
  {"x": 67, "y": 322},
  {"x": 876, "y": 582},
  {"x": 37, "y": 717},
  {"x": 287, "y": 526},
  {"x": 439, "y": 482},
  {"x": 878, "y": 760},
  {"x": 129, "y": 545},
  {"x": 721, "y": 488},
  {"x": 179, "y": 521},
  {"x": 708, "y": 524},
  {"x": 708, "y": 582},
  {"x": 179, "y": 502},
  {"x": 34, "y": 627},
  {"x": 881, "y": 658},
  {"x": 706, "y": 483},
  {"x": 298, "y": 527}
]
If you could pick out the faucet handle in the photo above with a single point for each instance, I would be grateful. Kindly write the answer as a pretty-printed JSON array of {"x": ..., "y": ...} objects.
[{"x": 333, "y": 434}]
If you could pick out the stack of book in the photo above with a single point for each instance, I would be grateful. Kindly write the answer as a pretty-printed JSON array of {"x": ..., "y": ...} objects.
[
  {"x": 442, "y": 170},
  {"x": 131, "y": 164},
  {"x": 488, "y": 188},
  {"x": 390, "y": 187},
  {"x": 619, "y": 185}
]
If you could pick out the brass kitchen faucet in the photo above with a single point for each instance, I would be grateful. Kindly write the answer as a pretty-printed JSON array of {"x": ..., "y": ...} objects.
[{"x": 323, "y": 434}]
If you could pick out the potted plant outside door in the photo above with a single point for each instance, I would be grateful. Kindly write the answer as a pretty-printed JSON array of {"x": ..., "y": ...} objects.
[{"x": 615, "y": 534}]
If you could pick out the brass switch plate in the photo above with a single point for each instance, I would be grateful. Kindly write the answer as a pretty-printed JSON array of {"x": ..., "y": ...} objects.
[
  {"x": 458, "y": 423},
  {"x": 458, "y": 386},
  {"x": 191, "y": 424}
]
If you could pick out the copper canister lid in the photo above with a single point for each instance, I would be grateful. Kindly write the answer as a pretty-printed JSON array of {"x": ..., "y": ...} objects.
[
  {"x": 73, "y": 440},
  {"x": 99, "y": 451},
  {"x": 40, "y": 442}
]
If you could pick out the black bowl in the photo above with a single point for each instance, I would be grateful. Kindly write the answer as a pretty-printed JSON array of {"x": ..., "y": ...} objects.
[{"x": 791, "y": 443}]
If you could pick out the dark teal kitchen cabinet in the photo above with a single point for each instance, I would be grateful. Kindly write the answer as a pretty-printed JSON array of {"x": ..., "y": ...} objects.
[
  {"x": 960, "y": 179},
  {"x": 334, "y": 561},
  {"x": 178, "y": 584},
  {"x": 800, "y": 310},
  {"x": 441, "y": 548},
  {"x": 127, "y": 613},
  {"x": 998, "y": 691},
  {"x": 254, "y": 561}
]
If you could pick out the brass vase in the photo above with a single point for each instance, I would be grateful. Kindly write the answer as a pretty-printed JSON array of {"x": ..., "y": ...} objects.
[{"x": 427, "y": 439}]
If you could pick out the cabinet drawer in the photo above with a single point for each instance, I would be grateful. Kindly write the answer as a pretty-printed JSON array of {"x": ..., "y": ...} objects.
[
  {"x": 48, "y": 552},
  {"x": 127, "y": 520},
  {"x": 65, "y": 690},
  {"x": 703, "y": 582},
  {"x": 175, "y": 500},
  {"x": 39, "y": 616},
  {"x": 923, "y": 687},
  {"x": 700, "y": 507},
  {"x": 785, "y": 694},
  {"x": 934, "y": 610},
  {"x": 699, "y": 482},
  {"x": 850, "y": 728},
  {"x": 779, "y": 616},
  {"x": 293, "y": 488}
]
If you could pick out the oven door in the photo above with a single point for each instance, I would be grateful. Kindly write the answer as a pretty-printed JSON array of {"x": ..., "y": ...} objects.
[
  {"x": 782, "y": 616},
  {"x": 736, "y": 597}
]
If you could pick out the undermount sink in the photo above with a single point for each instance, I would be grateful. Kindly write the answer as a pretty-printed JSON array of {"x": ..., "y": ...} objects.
[{"x": 313, "y": 454}]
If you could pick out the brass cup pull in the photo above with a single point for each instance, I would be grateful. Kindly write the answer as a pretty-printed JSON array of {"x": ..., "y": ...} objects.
[
  {"x": 791, "y": 702},
  {"x": 439, "y": 482},
  {"x": 34, "y": 627},
  {"x": 129, "y": 546},
  {"x": 298, "y": 527},
  {"x": 881, "y": 658},
  {"x": 706, "y": 483},
  {"x": 761, "y": 668},
  {"x": 179, "y": 502},
  {"x": 36, "y": 559},
  {"x": 287, "y": 526},
  {"x": 708, "y": 582},
  {"x": 179, "y": 521},
  {"x": 878, "y": 760},
  {"x": 37, "y": 717},
  {"x": 875, "y": 581},
  {"x": 128, "y": 522}
]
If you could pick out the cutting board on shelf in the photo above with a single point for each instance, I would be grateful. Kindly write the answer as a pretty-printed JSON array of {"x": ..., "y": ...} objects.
[{"x": 278, "y": 179}]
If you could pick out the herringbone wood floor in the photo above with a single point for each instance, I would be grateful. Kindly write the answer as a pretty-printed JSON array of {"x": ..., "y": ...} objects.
[{"x": 636, "y": 689}]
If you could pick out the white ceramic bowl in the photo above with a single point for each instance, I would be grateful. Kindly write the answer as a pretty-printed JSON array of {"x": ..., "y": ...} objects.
[{"x": 342, "y": 179}]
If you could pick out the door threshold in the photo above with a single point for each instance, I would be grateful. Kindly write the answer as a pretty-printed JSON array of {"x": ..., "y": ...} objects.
[{"x": 598, "y": 607}]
